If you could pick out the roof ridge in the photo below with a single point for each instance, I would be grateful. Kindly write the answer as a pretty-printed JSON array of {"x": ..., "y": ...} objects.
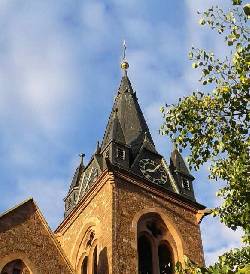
[{"x": 16, "y": 206}]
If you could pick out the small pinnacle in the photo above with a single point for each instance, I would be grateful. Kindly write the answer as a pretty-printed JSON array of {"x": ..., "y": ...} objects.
[
  {"x": 175, "y": 146},
  {"x": 98, "y": 147},
  {"x": 81, "y": 155}
]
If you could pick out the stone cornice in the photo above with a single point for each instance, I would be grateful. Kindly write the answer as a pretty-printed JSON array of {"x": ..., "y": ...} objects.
[{"x": 160, "y": 192}]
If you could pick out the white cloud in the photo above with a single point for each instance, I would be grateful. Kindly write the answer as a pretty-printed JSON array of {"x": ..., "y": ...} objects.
[
  {"x": 55, "y": 81},
  {"x": 217, "y": 239},
  {"x": 36, "y": 72},
  {"x": 94, "y": 16}
]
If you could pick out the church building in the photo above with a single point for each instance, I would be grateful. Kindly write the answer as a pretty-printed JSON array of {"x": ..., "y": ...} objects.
[{"x": 127, "y": 211}]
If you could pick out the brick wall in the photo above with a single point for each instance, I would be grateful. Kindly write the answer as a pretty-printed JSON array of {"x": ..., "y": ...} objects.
[
  {"x": 132, "y": 201},
  {"x": 106, "y": 217},
  {"x": 112, "y": 210},
  {"x": 25, "y": 235},
  {"x": 94, "y": 213}
]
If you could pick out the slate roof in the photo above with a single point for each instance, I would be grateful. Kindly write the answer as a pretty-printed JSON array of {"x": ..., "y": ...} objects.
[
  {"x": 77, "y": 176},
  {"x": 127, "y": 117},
  {"x": 177, "y": 161}
]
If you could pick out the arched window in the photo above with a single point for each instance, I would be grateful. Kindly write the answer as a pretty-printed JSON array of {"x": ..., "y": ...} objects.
[
  {"x": 90, "y": 262},
  {"x": 145, "y": 255},
  {"x": 84, "y": 269},
  {"x": 95, "y": 261},
  {"x": 15, "y": 267},
  {"x": 155, "y": 253},
  {"x": 165, "y": 259}
]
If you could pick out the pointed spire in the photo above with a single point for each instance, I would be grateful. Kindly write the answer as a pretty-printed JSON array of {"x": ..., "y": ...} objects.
[
  {"x": 127, "y": 117},
  {"x": 125, "y": 85},
  {"x": 78, "y": 173},
  {"x": 81, "y": 155},
  {"x": 178, "y": 162},
  {"x": 126, "y": 123},
  {"x": 116, "y": 132},
  {"x": 98, "y": 149}
]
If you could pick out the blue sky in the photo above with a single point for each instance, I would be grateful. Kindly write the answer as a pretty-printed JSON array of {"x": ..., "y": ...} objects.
[{"x": 59, "y": 72}]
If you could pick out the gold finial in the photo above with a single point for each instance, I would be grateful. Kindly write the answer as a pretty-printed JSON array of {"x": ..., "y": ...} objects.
[{"x": 124, "y": 63}]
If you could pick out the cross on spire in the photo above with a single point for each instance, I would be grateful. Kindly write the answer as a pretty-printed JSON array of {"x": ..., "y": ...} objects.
[
  {"x": 124, "y": 63},
  {"x": 124, "y": 49}
]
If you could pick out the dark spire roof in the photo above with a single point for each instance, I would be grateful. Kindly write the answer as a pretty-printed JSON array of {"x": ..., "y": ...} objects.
[
  {"x": 148, "y": 144},
  {"x": 178, "y": 162},
  {"x": 127, "y": 123},
  {"x": 116, "y": 133},
  {"x": 78, "y": 173}
]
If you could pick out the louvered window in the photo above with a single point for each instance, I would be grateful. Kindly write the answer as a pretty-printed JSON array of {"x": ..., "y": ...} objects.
[
  {"x": 120, "y": 153},
  {"x": 186, "y": 184}
]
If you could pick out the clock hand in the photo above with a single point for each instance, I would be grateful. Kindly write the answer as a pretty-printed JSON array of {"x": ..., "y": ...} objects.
[{"x": 154, "y": 170}]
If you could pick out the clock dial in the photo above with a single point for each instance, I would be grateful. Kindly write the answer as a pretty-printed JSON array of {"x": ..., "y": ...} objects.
[{"x": 153, "y": 171}]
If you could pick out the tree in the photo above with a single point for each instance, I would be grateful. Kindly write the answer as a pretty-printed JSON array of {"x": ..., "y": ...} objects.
[{"x": 214, "y": 125}]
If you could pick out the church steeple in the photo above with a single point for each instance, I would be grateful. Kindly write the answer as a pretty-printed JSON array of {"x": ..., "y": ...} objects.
[
  {"x": 126, "y": 117},
  {"x": 127, "y": 144},
  {"x": 127, "y": 209}
]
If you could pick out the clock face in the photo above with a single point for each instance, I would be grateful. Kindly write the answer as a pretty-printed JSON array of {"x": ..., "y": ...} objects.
[{"x": 153, "y": 171}]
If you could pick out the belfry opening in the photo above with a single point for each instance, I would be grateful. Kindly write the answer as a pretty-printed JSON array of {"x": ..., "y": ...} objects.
[{"x": 155, "y": 245}]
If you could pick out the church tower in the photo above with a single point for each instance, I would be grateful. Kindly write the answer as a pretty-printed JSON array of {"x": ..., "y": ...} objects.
[{"x": 129, "y": 210}]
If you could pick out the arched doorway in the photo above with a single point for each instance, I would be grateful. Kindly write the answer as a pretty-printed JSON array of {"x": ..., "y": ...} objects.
[{"x": 15, "y": 267}]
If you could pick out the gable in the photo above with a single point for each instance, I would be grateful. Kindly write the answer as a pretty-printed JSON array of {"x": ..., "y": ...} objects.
[{"x": 24, "y": 233}]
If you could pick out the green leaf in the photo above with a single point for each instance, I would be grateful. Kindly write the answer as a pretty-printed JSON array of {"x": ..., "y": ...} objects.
[
  {"x": 194, "y": 65},
  {"x": 214, "y": 125},
  {"x": 246, "y": 9},
  {"x": 202, "y": 21},
  {"x": 237, "y": 2}
]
